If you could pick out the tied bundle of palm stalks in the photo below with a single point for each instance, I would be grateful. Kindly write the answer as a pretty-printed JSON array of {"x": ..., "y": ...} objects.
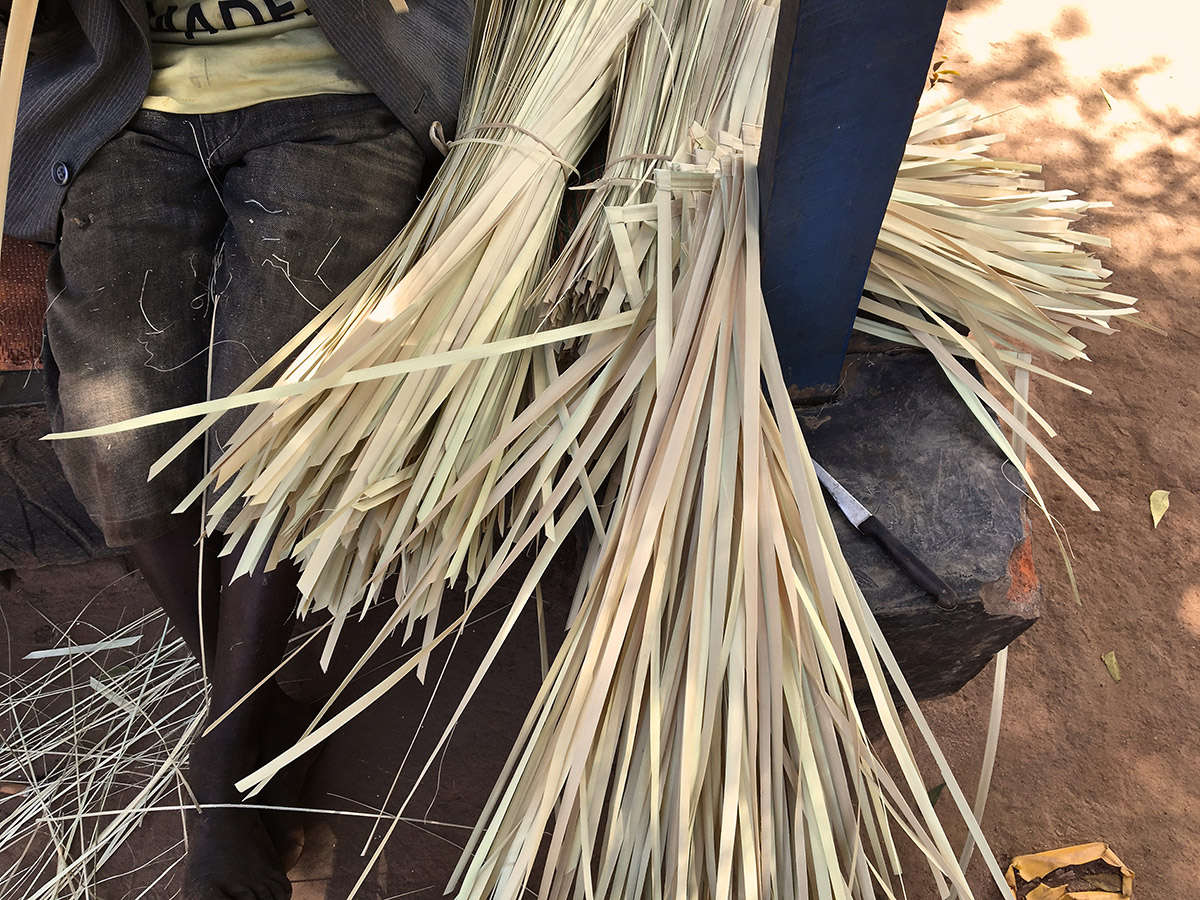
[
  {"x": 675, "y": 679},
  {"x": 411, "y": 372},
  {"x": 95, "y": 733},
  {"x": 698, "y": 735}
]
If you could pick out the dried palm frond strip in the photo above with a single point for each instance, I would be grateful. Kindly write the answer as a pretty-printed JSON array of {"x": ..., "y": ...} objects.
[
  {"x": 976, "y": 259},
  {"x": 18, "y": 33}
]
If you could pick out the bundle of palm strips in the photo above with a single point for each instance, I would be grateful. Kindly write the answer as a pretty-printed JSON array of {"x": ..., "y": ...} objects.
[
  {"x": 976, "y": 260},
  {"x": 681, "y": 629},
  {"x": 697, "y": 735}
]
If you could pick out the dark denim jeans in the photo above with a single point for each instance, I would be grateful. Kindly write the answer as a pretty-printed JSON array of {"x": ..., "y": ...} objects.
[{"x": 193, "y": 247}]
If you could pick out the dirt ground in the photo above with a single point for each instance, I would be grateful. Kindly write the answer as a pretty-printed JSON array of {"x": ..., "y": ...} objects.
[{"x": 1082, "y": 758}]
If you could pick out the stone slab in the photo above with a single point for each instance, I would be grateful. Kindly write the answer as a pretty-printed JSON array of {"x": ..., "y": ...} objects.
[{"x": 900, "y": 439}]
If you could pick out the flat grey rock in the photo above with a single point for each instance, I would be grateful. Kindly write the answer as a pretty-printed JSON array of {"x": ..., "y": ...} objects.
[{"x": 902, "y": 442}]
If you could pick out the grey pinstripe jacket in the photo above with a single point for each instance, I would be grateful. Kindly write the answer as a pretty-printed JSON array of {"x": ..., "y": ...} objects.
[{"x": 89, "y": 68}]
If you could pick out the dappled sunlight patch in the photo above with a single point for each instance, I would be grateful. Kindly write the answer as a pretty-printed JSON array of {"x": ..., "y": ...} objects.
[
  {"x": 1096, "y": 38},
  {"x": 1189, "y": 610}
]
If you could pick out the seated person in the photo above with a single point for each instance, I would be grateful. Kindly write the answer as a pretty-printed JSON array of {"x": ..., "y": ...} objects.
[{"x": 210, "y": 175}]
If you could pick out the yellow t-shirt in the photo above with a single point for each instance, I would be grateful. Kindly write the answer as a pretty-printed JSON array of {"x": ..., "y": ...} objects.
[{"x": 216, "y": 55}]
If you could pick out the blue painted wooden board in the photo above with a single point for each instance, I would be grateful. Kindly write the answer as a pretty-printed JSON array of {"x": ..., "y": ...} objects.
[{"x": 846, "y": 78}]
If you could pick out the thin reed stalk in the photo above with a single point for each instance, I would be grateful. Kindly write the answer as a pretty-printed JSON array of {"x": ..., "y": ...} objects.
[{"x": 93, "y": 735}]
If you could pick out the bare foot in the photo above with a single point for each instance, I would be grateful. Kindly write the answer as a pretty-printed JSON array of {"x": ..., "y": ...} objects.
[
  {"x": 284, "y": 720},
  {"x": 231, "y": 857},
  {"x": 230, "y": 852}
]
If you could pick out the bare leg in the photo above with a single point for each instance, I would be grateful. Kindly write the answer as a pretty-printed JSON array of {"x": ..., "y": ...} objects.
[
  {"x": 171, "y": 566},
  {"x": 232, "y": 854}
]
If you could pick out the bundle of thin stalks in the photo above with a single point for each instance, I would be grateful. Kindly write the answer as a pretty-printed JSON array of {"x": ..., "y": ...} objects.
[
  {"x": 697, "y": 735},
  {"x": 977, "y": 261},
  {"x": 93, "y": 735},
  {"x": 340, "y": 475}
]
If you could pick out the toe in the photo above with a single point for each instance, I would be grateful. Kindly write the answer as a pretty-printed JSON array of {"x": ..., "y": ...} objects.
[{"x": 277, "y": 890}]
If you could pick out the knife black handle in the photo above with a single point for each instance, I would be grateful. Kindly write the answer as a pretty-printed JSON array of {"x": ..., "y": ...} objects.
[{"x": 920, "y": 573}]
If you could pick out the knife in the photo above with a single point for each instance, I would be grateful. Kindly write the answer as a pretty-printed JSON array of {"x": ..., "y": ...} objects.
[{"x": 860, "y": 517}]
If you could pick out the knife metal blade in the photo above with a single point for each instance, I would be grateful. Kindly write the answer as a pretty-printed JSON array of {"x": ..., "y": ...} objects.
[
  {"x": 862, "y": 519},
  {"x": 854, "y": 511}
]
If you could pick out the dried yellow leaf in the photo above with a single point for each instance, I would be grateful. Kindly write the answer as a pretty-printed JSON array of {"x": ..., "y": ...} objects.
[
  {"x": 1038, "y": 866},
  {"x": 1160, "y": 501},
  {"x": 1110, "y": 663}
]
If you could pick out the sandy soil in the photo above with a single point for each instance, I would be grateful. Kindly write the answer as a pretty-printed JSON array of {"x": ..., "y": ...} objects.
[{"x": 1082, "y": 758}]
